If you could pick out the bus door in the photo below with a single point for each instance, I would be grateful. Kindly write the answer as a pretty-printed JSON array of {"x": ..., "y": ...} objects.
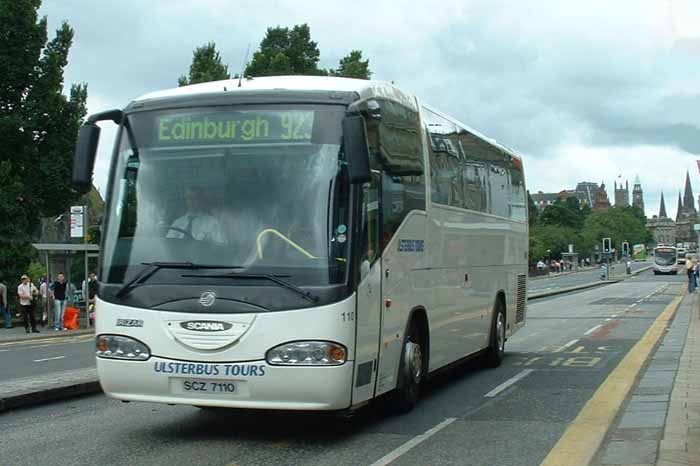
[{"x": 369, "y": 296}]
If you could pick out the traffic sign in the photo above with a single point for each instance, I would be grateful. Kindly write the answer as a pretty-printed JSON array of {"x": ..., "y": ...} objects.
[{"x": 77, "y": 217}]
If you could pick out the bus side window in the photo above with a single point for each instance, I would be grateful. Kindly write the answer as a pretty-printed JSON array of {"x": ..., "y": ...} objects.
[{"x": 370, "y": 214}]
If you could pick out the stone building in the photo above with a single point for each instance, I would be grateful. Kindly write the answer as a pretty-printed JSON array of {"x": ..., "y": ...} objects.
[
  {"x": 662, "y": 227},
  {"x": 622, "y": 195},
  {"x": 601, "y": 200},
  {"x": 687, "y": 215},
  {"x": 670, "y": 232}
]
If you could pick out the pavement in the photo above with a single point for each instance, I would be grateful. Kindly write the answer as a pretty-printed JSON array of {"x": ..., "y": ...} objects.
[{"x": 660, "y": 423}]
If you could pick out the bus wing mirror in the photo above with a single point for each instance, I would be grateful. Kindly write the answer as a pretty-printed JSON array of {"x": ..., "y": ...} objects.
[
  {"x": 356, "y": 149},
  {"x": 85, "y": 153},
  {"x": 86, "y": 147}
]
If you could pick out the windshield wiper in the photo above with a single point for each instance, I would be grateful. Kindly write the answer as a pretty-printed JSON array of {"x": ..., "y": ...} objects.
[
  {"x": 267, "y": 276},
  {"x": 153, "y": 267}
]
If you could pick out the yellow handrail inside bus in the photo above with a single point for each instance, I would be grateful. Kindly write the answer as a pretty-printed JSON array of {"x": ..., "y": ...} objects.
[{"x": 284, "y": 238}]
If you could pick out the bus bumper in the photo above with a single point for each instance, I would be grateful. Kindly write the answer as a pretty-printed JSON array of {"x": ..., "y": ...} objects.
[{"x": 252, "y": 385}]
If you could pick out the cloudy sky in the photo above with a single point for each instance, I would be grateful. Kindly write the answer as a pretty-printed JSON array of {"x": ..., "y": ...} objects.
[{"x": 596, "y": 90}]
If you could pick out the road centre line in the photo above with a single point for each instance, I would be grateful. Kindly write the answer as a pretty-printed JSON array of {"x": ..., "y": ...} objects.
[
  {"x": 566, "y": 345},
  {"x": 522, "y": 374},
  {"x": 49, "y": 359},
  {"x": 591, "y": 330},
  {"x": 402, "y": 449}
]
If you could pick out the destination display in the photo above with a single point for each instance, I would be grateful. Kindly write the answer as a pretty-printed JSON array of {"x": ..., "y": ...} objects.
[{"x": 239, "y": 127}]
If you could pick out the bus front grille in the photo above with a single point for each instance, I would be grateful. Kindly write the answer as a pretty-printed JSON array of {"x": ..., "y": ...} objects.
[{"x": 520, "y": 296}]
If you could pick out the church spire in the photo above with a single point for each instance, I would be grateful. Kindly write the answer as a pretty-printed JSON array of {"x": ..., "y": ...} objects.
[
  {"x": 679, "y": 209},
  {"x": 688, "y": 201},
  {"x": 662, "y": 209}
]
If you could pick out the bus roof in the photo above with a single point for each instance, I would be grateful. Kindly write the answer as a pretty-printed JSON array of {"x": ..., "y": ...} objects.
[
  {"x": 363, "y": 87},
  {"x": 293, "y": 83}
]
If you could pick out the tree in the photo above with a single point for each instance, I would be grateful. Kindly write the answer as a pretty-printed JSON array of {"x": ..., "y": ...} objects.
[
  {"x": 286, "y": 51},
  {"x": 38, "y": 129},
  {"x": 532, "y": 211},
  {"x": 206, "y": 66},
  {"x": 352, "y": 66},
  {"x": 619, "y": 223},
  {"x": 565, "y": 213},
  {"x": 554, "y": 238}
]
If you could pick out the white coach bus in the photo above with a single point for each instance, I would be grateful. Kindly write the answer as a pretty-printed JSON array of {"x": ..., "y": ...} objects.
[{"x": 301, "y": 243}]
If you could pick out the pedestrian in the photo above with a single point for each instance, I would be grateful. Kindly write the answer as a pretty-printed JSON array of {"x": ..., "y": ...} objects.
[
  {"x": 92, "y": 288},
  {"x": 690, "y": 272},
  {"x": 58, "y": 290},
  {"x": 4, "y": 306},
  {"x": 696, "y": 272},
  {"x": 92, "y": 294},
  {"x": 46, "y": 300},
  {"x": 27, "y": 293}
]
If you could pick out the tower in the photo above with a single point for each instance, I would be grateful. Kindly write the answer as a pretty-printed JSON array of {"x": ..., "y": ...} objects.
[
  {"x": 662, "y": 207},
  {"x": 601, "y": 200},
  {"x": 688, "y": 201},
  {"x": 622, "y": 195},
  {"x": 638, "y": 195},
  {"x": 679, "y": 210}
]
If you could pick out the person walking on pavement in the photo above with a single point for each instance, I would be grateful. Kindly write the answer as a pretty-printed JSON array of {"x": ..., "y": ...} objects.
[
  {"x": 4, "y": 306},
  {"x": 27, "y": 293},
  {"x": 58, "y": 289},
  {"x": 690, "y": 272}
]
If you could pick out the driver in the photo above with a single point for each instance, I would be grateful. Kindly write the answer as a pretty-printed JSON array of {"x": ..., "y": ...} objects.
[{"x": 197, "y": 222}]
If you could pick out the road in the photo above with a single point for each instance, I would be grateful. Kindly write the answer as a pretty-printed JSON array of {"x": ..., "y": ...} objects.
[
  {"x": 512, "y": 415},
  {"x": 557, "y": 282},
  {"x": 24, "y": 359}
]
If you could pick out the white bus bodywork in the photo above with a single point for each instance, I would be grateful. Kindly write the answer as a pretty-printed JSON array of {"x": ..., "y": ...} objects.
[{"x": 449, "y": 265}]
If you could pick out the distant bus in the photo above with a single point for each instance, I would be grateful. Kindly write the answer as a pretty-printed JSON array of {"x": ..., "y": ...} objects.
[
  {"x": 665, "y": 260},
  {"x": 681, "y": 255},
  {"x": 301, "y": 243},
  {"x": 639, "y": 252}
]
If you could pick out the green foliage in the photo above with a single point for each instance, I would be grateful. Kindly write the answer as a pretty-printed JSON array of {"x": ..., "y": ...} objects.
[
  {"x": 285, "y": 51},
  {"x": 554, "y": 238},
  {"x": 206, "y": 66},
  {"x": 36, "y": 270},
  {"x": 352, "y": 66},
  {"x": 533, "y": 212},
  {"x": 38, "y": 129},
  {"x": 567, "y": 222},
  {"x": 619, "y": 224}
]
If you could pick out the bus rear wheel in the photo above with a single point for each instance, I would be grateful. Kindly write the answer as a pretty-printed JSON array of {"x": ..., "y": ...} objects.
[
  {"x": 411, "y": 372},
  {"x": 497, "y": 340}
]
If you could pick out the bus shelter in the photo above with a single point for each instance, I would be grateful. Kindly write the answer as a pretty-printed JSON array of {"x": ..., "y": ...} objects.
[
  {"x": 58, "y": 258},
  {"x": 572, "y": 258}
]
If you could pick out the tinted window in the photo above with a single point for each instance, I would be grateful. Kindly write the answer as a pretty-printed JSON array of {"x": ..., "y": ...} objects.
[
  {"x": 468, "y": 172},
  {"x": 396, "y": 151}
]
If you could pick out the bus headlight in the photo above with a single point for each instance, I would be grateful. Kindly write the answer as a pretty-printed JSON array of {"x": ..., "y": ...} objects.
[
  {"x": 307, "y": 353},
  {"x": 121, "y": 347}
]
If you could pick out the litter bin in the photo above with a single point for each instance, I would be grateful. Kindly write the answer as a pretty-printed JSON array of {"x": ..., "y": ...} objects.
[{"x": 70, "y": 318}]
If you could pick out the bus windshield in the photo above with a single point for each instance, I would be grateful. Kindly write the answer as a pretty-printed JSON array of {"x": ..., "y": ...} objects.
[
  {"x": 665, "y": 256},
  {"x": 261, "y": 188}
]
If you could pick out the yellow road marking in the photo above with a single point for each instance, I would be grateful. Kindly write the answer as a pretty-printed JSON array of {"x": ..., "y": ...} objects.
[{"x": 583, "y": 437}]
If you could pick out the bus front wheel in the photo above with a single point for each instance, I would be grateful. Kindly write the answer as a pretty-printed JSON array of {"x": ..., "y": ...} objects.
[{"x": 411, "y": 372}]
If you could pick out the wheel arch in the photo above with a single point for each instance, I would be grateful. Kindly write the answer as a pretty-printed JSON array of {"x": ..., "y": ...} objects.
[{"x": 421, "y": 316}]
